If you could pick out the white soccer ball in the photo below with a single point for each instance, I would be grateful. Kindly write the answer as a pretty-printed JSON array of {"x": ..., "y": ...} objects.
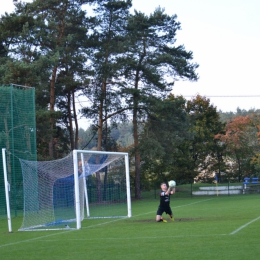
[{"x": 172, "y": 183}]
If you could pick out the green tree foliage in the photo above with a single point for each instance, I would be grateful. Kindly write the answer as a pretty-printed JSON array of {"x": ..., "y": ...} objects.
[
  {"x": 45, "y": 41},
  {"x": 151, "y": 66},
  {"x": 123, "y": 64},
  {"x": 165, "y": 131},
  {"x": 123, "y": 134},
  {"x": 106, "y": 43},
  {"x": 205, "y": 124}
]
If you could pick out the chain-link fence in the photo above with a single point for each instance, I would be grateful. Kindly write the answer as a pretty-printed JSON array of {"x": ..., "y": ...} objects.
[{"x": 208, "y": 189}]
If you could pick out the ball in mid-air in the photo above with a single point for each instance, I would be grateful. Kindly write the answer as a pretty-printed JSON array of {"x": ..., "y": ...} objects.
[{"x": 172, "y": 183}]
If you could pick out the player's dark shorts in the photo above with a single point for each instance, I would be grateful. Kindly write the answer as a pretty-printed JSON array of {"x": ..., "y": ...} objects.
[{"x": 166, "y": 210}]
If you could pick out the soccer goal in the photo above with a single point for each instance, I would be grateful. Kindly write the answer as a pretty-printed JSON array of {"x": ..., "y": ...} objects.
[{"x": 86, "y": 184}]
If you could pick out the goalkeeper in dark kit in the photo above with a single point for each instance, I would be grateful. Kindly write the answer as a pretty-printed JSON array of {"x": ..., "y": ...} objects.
[{"x": 165, "y": 201}]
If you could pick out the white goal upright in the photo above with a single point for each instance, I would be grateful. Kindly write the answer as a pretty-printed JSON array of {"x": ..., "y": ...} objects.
[{"x": 86, "y": 184}]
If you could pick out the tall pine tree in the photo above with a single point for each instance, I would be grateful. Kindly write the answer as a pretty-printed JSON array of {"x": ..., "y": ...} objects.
[{"x": 152, "y": 64}]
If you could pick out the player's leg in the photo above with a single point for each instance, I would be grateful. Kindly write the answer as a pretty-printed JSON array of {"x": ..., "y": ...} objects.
[
  {"x": 159, "y": 217},
  {"x": 169, "y": 212}
]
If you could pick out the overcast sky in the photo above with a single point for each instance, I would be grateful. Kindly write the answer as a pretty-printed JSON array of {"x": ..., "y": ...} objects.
[{"x": 224, "y": 36}]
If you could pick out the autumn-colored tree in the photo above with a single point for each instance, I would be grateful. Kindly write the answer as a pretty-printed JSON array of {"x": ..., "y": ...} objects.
[
  {"x": 240, "y": 140},
  {"x": 255, "y": 161}
]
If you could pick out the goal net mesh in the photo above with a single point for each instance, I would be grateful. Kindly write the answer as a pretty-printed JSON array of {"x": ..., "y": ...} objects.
[{"x": 49, "y": 190}]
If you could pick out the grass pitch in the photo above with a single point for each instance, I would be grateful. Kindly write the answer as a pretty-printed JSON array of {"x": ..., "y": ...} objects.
[{"x": 223, "y": 227}]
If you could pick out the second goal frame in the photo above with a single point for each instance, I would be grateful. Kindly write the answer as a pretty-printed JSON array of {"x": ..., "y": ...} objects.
[{"x": 78, "y": 156}]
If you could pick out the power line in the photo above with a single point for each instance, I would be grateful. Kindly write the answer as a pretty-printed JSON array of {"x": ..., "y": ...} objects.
[{"x": 226, "y": 96}]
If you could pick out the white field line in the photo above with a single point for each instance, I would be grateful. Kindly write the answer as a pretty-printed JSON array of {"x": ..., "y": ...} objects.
[
  {"x": 35, "y": 238},
  {"x": 135, "y": 238},
  {"x": 250, "y": 222},
  {"x": 96, "y": 225}
]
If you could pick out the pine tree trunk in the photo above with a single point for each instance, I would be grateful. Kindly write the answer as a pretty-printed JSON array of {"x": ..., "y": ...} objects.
[
  {"x": 137, "y": 157},
  {"x": 52, "y": 105},
  {"x": 99, "y": 143},
  {"x": 72, "y": 144},
  {"x": 76, "y": 132}
]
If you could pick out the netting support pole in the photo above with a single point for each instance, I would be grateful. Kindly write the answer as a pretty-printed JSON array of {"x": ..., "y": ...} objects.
[
  {"x": 76, "y": 188},
  {"x": 85, "y": 184},
  {"x": 6, "y": 191},
  {"x": 128, "y": 193}
]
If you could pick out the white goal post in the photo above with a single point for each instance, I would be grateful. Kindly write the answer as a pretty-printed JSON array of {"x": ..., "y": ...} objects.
[
  {"x": 60, "y": 194},
  {"x": 7, "y": 188}
]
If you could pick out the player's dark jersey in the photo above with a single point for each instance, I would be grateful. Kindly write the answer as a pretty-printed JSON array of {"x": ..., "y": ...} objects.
[{"x": 164, "y": 200}]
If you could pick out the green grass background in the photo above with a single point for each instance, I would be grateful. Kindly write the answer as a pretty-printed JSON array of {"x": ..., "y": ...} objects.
[{"x": 209, "y": 227}]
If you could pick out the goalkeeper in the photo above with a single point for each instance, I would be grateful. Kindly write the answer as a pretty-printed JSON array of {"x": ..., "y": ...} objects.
[{"x": 165, "y": 203}]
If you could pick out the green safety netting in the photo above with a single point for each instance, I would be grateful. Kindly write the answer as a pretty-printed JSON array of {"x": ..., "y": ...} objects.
[{"x": 18, "y": 136}]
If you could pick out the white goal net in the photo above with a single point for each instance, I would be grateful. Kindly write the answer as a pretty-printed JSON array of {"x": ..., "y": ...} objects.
[{"x": 86, "y": 184}]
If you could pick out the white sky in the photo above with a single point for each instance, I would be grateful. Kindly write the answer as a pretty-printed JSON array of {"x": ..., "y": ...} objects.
[{"x": 224, "y": 36}]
